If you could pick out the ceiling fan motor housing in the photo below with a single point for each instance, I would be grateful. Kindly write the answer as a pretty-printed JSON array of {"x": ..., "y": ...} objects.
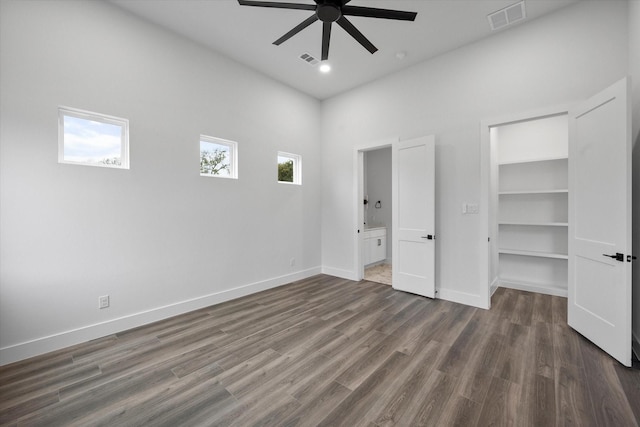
[{"x": 328, "y": 12}]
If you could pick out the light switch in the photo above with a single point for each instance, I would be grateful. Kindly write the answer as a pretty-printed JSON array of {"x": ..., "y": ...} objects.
[{"x": 470, "y": 208}]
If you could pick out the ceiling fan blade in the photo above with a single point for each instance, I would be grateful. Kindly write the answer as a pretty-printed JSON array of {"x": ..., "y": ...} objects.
[
  {"x": 326, "y": 36},
  {"x": 304, "y": 24},
  {"x": 277, "y": 4},
  {"x": 353, "y": 31},
  {"x": 370, "y": 12}
]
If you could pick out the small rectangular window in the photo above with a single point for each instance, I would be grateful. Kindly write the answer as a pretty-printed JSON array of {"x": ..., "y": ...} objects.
[
  {"x": 218, "y": 157},
  {"x": 289, "y": 168},
  {"x": 93, "y": 139}
]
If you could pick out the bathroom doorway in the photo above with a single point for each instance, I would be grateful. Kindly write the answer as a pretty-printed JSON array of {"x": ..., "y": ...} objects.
[{"x": 375, "y": 214}]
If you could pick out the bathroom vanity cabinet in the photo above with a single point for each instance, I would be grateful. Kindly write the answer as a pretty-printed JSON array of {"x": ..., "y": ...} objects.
[{"x": 375, "y": 245}]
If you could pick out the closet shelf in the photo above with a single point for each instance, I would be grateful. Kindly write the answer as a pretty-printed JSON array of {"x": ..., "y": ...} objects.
[
  {"x": 536, "y": 224},
  {"x": 507, "y": 193},
  {"x": 533, "y": 253},
  {"x": 530, "y": 188},
  {"x": 547, "y": 159}
]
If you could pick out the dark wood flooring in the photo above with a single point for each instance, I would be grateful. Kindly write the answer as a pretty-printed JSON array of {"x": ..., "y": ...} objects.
[{"x": 332, "y": 352}]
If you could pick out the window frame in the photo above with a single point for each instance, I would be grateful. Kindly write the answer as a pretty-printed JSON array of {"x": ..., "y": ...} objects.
[
  {"x": 233, "y": 153},
  {"x": 297, "y": 167},
  {"x": 95, "y": 117}
]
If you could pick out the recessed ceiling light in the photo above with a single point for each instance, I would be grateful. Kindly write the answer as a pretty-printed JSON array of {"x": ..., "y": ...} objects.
[{"x": 325, "y": 68}]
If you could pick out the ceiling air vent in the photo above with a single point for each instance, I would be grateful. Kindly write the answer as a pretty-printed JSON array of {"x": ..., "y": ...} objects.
[
  {"x": 309, "y": 59},
  {"x": 507, "y": 16}
]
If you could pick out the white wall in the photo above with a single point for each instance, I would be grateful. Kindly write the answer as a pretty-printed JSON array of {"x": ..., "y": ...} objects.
[
  {"x": 539, "y": 139},
  {"x": 158, "y": 238},
  {"x": 378, "y": 188},
  {"x": 634, "y": 71},
  {"x": 553, "y": 60}
]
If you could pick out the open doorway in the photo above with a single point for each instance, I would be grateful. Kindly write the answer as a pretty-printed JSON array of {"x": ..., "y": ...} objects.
[
  {"x": 530, "y": 200},
  {"x": 374, "y": 212},
  {"x": 376, "y": 218},
  {"x": 525, "y": 187}
]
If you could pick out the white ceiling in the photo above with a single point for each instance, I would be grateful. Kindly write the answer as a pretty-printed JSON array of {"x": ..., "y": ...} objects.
[{"x": 245, "y": 34}]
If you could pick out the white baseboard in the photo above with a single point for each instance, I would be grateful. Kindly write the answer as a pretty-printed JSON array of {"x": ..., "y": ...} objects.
[
  {"x": 64, "y": 339},
  {"x": 337, "y": 272},
  {"x": 462, "y": 298},
  {"x": 373, "y": 264},
  {"x": 494, "y": 286},
  {"x": 533, "y": 288},
  {"x": 635, "y": 345}
]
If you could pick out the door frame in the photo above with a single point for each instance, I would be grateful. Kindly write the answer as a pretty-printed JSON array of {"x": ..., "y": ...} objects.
[
  {"x": 358, "y": 198},
  {"x": 486, "y": 255}
]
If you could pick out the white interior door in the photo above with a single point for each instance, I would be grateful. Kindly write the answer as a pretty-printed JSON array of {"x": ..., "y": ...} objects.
[
  {"x": 599, "y": 300},
  {"x": 413, "y": 215}
]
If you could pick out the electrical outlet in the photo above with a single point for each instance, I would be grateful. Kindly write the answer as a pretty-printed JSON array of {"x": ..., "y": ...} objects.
[{"x": 103, "y": 301}]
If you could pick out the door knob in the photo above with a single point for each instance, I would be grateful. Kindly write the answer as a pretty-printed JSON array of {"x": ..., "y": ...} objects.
[{"x": 428, "y": 237}]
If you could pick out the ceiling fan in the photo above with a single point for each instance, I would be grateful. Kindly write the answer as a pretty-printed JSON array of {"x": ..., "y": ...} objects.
[{"x": 330, "y": 11}]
